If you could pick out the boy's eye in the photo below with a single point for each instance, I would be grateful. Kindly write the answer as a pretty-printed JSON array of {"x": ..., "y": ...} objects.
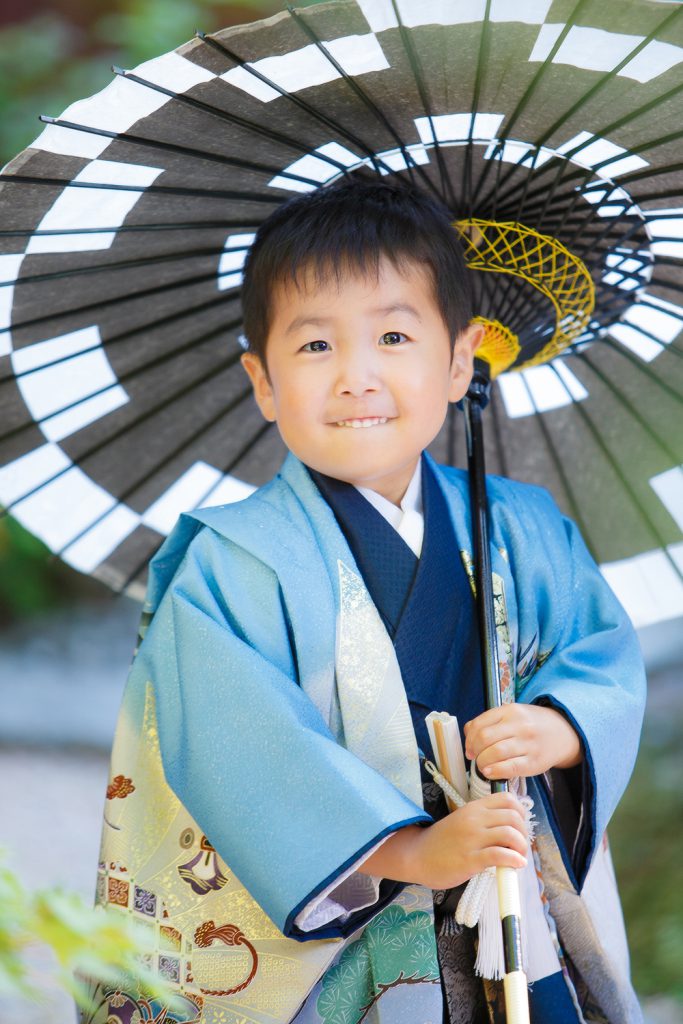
[
  {"x": 312, "y": 346},
  {"x": 391, "y": 338}
]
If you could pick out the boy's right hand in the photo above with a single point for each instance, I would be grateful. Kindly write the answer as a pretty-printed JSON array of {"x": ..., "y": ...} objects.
[{"x": 489, "y": 832}]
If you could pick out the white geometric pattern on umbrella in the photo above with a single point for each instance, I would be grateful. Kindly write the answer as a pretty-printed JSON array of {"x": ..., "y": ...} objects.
[{"x": 67, "y": 380}]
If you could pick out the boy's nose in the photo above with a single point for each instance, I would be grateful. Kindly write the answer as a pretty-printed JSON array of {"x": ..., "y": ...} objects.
[{"x": 357, "y": 377}]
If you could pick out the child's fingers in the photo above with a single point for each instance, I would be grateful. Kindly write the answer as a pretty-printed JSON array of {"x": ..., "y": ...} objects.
[
  {"x": 508, "y": 836},
  {"x": 488, "y": 734},
  {"x": 500, "y": 857},
  {"x": 474, "y": 728},
  {"x": 502, "y": 750},
  {"x": 508, "y": 817},
  {"x": 502, "y": 801},
  {"x": 509, "y": 769},
  {"x": 502, "y": 809}
]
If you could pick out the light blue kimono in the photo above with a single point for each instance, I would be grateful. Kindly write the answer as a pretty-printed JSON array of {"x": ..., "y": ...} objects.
[{"x": 265, "y": 713}]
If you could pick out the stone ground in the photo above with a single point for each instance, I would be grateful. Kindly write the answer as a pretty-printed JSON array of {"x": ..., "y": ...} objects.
[{"x": 54, "y": 762}]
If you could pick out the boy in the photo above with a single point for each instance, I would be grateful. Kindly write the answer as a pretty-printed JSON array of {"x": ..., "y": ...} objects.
[{"x": 267, "y": 814}]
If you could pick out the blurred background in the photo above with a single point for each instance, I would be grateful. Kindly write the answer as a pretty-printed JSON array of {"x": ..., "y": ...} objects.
[{"x": 66, "y": 641}]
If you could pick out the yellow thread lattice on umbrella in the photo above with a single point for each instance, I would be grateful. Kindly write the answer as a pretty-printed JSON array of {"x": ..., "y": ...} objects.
[
  {"x": 500, "y": 346},
  {"x": 512, "y": 248}
]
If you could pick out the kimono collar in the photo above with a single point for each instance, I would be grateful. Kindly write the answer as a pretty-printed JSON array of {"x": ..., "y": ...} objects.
[{"x": 408, "y": 520}]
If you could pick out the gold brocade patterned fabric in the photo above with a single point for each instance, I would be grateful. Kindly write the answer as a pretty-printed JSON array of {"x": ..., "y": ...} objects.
[{"x": 207, "y": 933}]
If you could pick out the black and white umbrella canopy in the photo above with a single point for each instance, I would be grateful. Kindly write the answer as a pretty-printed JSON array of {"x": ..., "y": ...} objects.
[{"x": 552, "y": 129}]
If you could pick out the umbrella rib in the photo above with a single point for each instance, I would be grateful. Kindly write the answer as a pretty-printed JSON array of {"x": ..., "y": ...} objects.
[
  {"x": 565, "y": 158},
  {"x": 119, "y": 265},
  {"x": 224, "y": 115},
  {"x": 416, "y": 68},
  {"x": 114, "y": 300},
  {"x": 656, "y": 282},
  {"x": 363, "y": 96},
  {"x": 645, "y": 108},
  {"x": 172, "y": 147},
  {"x": 676, "y": 312},
  {"x": 511, "y": 300},
  {"x": 226, "y": 469},
  {"x": 117, "y": 339},
  {"x": 644, "y": 368},
  {"x": 565, "y": 174},
  {"x": 589, "y": 244},
  {"x": 630, "y": 407},
  {"x": 653, "y": 337},
  {"x": 549, "y": 195},
  {"x": 623, "y": 479},
  {"x": 521, "y": 105},
  {"x": 169, "y": 457},
  {"x": 609, "y": 225},
  {"x": 662, "y": 215},
  {"x": 164, "y": 190},
  {"x": 308, "y": 108},
  {"x": 608, "y": 303},
  {"x": 648, "y": 174},
  {"x": 200, "y": 225},
  {"x": 154, "y": 364},
  {"x": 159, "y": 407},
  {"x": 599, "y": 85},
  {"x": 497, "y": 433},
  {"x": 145, "y": 261},
  {"x": 558, "y": 464},
  {"x": 570, "y": 172},
  {"x": 478, "y": 75}
]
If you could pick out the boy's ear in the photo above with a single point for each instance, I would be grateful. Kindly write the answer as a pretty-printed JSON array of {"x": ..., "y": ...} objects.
[
  {"x": 263, "y": 391},
  {"x": 462, "y": 363}
]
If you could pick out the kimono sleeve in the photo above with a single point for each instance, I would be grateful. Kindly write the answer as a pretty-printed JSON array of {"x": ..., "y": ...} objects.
[
  {"x": 243, "y": 747},
  {"x": 591, "y": 667}
]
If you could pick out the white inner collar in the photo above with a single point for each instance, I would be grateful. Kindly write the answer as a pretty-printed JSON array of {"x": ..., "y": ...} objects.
[{"x": 408, "y": 520}]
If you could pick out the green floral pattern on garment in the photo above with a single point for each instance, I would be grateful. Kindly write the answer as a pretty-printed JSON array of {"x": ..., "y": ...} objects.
[{"x": 397, "y": 948}]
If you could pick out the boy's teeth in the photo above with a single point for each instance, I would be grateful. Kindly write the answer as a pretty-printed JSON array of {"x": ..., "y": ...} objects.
[{"x": 362, "y": 423}]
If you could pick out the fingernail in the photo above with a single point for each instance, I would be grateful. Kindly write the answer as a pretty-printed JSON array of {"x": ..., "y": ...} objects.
[{"x": 487, "y": 771}]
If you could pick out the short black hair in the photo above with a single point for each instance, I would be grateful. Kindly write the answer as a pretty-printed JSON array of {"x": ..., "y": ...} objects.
[{"x": 347, "y": 228}]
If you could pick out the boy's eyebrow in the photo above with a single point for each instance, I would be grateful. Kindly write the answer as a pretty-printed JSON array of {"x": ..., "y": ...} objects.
[{"x": 395, "y": 307}]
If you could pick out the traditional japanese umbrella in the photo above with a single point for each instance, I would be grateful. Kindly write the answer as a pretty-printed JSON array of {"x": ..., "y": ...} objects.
[{"x": 551, "y": 128}]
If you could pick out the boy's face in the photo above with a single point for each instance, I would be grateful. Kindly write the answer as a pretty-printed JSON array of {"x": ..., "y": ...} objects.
[{"x": 361, "y": 374}]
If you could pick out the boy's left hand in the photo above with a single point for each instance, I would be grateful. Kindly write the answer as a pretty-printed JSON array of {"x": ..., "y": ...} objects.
[{"x": 521, "y": 739}]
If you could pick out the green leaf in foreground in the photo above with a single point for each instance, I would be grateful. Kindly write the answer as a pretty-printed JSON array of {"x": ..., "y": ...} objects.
[{"x": 87, "y": 941}]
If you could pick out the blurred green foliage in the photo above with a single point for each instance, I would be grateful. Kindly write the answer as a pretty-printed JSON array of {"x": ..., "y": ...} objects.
[
  {"x": 645, "y": 840},
  {"x": 62, "y": 52},
  {"x": 32, "y": 580},
  {"x": 87, "y": 942}
]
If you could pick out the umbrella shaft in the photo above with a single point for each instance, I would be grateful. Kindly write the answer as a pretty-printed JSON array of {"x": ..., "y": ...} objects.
[
  {"x": 482, "y": 555},
  {"x": 514, "y": 982}
]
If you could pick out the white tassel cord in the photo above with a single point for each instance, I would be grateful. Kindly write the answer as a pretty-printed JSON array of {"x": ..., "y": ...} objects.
[{"x": 478, "y": 905}]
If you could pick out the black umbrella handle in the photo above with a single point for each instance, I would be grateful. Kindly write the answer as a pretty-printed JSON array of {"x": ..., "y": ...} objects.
[
  {"x": 473, "y": 404},
  {"x": 509, "y": 902}
]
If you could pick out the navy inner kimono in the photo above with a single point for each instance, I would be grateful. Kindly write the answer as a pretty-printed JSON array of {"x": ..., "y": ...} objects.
[{"x": 425, "y": 603}]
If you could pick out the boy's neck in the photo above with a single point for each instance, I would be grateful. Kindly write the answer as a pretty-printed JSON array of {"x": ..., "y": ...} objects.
[{"x": 397, "y": 493}]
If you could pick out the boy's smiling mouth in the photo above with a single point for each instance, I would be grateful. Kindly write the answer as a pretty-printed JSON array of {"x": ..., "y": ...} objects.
[{"x": 366, "y": 421}]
